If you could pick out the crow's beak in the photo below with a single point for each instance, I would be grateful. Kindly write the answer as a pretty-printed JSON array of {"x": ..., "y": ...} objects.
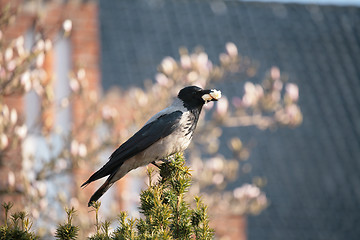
[{"x": 211, "y": 95}]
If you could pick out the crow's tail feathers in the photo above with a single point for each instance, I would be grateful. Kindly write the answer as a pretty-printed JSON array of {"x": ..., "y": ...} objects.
[
  {"x": 104, "y": 171},
  {"x": 99, "y": 192},
  {"x": 84, "y": 185}
]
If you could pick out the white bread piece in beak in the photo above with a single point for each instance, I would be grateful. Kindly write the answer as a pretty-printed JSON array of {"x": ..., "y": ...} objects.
[{"x": 214, "y": 94}]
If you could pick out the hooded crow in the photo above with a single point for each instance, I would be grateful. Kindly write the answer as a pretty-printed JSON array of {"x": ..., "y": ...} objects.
[{"x": 166, "y": 133}]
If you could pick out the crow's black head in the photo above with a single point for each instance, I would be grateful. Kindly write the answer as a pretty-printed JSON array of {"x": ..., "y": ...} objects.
[{"x": 195, "y": 97}]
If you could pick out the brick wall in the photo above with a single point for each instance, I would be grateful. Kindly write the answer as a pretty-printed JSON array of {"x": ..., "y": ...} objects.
[
  {"x": 11, "y": 160},
  {"x": 228, "y": 226},
  {"x": 84, "y": 40}
]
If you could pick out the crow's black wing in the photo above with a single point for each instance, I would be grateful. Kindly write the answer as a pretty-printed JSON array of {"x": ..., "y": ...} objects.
[{"x": 163, "y": 126}]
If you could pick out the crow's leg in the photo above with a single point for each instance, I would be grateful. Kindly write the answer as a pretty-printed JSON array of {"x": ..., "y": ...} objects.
[
  {"x": 155, "y": 164},
  {"x": 165, "y": 160}
]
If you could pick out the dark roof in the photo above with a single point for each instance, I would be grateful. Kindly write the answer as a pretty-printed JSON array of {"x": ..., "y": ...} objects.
[{"x": 313, "y": 170}]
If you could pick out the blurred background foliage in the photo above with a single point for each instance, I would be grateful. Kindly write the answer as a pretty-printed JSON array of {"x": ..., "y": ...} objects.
[{"x": 114, "y": 116}]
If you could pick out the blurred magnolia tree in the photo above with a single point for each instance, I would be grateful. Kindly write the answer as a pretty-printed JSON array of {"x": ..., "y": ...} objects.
[{"x": 269, "y": 104}]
